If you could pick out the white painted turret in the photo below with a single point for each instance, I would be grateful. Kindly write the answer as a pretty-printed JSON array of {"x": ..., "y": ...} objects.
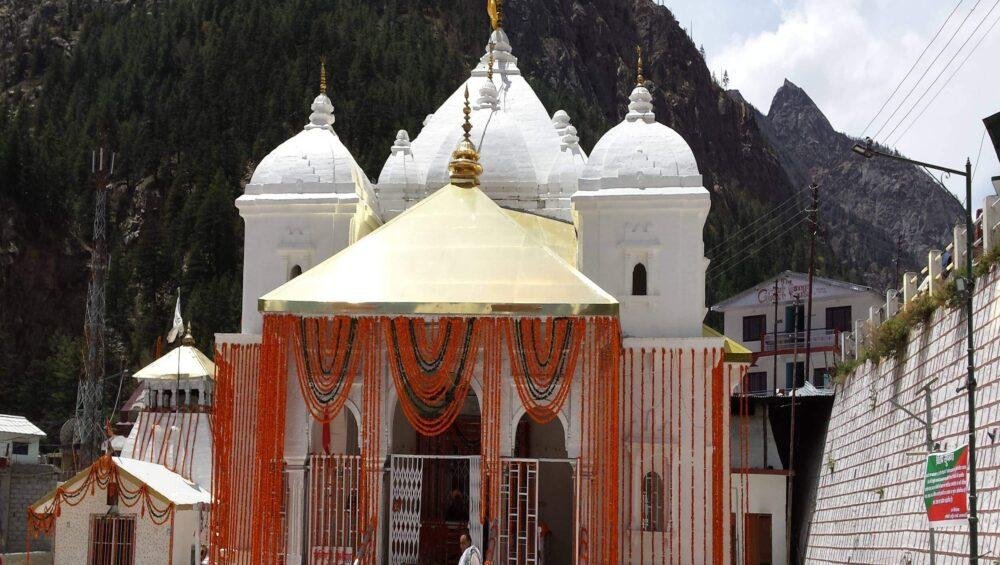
[
  {"x": 298, "y": 207},
  {"x": 640, "y": 213}
]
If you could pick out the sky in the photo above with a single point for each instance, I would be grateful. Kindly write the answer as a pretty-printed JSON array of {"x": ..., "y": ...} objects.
[{"x": 850, "y": 55}]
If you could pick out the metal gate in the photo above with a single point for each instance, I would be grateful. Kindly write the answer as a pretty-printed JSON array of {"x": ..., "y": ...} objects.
[
  {"x": 518, "y": 516},
  {"x": 333, "y": 504},
  {"x": 475, "y": 526},
  {"x": 406, "y": 487}
]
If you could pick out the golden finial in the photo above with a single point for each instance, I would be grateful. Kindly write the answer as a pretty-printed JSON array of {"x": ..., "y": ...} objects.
[
  {"x": 639, "y": 79},
  {"x": 495, "y": 9},
  {"x": 322, "y": 75},
  {"x": 489, "y": 65},
  {"x": 464, "y": 168}
]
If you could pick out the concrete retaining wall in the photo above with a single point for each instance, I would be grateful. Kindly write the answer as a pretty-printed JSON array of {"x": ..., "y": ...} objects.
[{"x": 869, "y": 505}]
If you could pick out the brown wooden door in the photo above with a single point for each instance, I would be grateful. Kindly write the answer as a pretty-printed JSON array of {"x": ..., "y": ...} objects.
[{"x": 757, "y": 542}]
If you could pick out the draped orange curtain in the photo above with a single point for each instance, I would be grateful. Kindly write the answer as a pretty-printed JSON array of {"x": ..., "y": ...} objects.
[{"x": 370, "y": 485}]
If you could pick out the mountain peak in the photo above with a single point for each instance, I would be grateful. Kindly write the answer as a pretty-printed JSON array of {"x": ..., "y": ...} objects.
[{"x": 791, "y": 105}]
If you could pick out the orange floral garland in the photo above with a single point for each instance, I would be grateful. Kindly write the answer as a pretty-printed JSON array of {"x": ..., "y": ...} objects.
[
  {"x": 432, "y": 373},
  {"x": 327, "y": 356},
  {"x": 543, "y": 357}
]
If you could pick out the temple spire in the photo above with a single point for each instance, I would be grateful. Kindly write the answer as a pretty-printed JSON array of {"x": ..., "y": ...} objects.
[
  {"x": 322, "y": 75},
  {"x": 464, "y": 168},
  {"x": 639, "y": 79},
  {"x": 495, "y": 9}
]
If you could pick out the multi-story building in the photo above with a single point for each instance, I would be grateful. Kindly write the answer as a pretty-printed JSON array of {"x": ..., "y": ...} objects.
[{"x": 770, "y": 320}]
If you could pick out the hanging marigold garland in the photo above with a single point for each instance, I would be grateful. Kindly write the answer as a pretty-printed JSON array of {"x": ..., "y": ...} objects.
[
  {"x": 327, "y": 356},
  {"x": 103, "y": 474},
  {"x": 269, "y": 485},
  {"x": 233, "y": 432},
  {"x": 489, "y": 469},
  {"x": 543, "y": 356},
  {"x": 370, "y": 484},
  {"x": 598, "y": 536},
  {"x": 432, "y": 364}
]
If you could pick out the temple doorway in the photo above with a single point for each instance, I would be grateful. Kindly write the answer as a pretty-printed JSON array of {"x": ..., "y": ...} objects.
[
  {"x": 546, "y": 443},
  {"x": 433, "y": 489}
]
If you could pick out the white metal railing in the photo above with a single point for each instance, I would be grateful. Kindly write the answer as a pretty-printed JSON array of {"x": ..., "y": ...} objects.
[
  {"x": 940, "y": 267},
  {"x": 783, "y": 341}
]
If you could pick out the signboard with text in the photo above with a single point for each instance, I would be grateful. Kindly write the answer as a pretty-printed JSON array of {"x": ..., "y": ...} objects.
[{"x": 946, "y": 487}]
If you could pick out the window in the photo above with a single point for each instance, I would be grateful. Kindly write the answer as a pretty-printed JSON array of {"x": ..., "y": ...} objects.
[
  {"x": 19, "y": 448},
  {"x": 799, "y": 370},
  {"x": 195, "y": 394},
  {"x": 154, "y": 398},
  {"x": 821, "y": 376},
  {"x": 112, "y": 540},
  {"x": 839, "y": 318},
  {"x": 296, "y": 271},
  {"x": 639, "y": 280},
  {"x": 652, "y": 502},
  {"x": 795, "y": 318},
  {"x": 168, "y": 399},
  {"x": 754, "y": 327},
  {"x": 181, "y": 398},
  {"x": 757, "y": 382}
]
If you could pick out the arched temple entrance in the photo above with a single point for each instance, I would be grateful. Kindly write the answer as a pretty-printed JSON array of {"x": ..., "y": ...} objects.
[
  {"x": 556, "y": 485},
  {"x": 433, "y": 488},
  {"x": 334, "y": 478}
]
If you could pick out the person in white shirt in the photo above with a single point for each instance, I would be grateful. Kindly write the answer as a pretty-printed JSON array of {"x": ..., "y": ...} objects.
[{"x": 470, "y": 553}]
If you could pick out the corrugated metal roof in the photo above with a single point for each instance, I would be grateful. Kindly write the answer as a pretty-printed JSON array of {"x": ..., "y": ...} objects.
[{"x": 19, "y": 425}]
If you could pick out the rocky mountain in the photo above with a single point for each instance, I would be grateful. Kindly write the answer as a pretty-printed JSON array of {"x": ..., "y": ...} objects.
[
  {"x": 872, "y": 210},
  {"x": 193, "y": 93}
]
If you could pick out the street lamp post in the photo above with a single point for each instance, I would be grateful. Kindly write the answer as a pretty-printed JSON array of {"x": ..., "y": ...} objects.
[{"x": 964, "y": 285}]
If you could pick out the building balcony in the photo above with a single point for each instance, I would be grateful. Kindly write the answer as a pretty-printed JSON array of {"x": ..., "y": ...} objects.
[{"x": 790, "y": 343}]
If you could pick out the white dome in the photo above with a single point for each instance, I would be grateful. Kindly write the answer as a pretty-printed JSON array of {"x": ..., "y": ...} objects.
[
  {"x": 401, "y": 177},
  {"x": 520, "y": 144},
  {"x": 564, "y": 178},
  {"x": 312, "y": 161},
  {"x": 640, "y": 153}
]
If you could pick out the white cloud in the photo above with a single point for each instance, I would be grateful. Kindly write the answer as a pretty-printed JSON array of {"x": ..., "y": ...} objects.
[{"x": 849, "y": 55}]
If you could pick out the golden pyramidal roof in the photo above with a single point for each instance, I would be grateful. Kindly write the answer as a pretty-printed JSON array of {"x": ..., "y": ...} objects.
[{"x": 455, "y": 253}]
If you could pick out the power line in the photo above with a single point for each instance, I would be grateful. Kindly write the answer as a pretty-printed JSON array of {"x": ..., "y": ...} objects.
[
  {"x": 718, "y": 274},
  {"x": 927, "y": 70},
  {"x": 750, "y": 254},
  {"x": 766, "y": 235},
  {"x": 774, "y": 212},
  {"x": 766, "y": 221},
  {"x": 947, "y": 82},
  {"x": 945, "y": 68},
  {"x": 980, "y": 152},
  {"x": 913, "y": 66}
]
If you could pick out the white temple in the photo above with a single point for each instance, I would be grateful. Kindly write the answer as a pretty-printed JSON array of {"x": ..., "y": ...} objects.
[{"x": 629, "y": 219}]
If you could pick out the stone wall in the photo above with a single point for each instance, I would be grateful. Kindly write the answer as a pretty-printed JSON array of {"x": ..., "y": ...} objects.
[
  {"x": 21, "y": 485},
  {"x": 869, "y": 505}
]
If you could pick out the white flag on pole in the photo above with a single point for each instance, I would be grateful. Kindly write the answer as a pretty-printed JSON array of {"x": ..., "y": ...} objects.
[{"x": 178, "y": 327}]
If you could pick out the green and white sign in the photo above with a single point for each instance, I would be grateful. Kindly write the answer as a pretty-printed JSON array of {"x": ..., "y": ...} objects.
[{"x": 946, "y": 487}]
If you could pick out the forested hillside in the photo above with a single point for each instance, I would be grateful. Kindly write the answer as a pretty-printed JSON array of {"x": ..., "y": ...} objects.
[{"x": 192, "y": 93}]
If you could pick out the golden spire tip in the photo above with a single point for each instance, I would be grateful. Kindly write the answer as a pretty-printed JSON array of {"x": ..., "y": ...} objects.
[
  {"x": 464, "y": 168},
  {"x": 639, "y": 79},
  {"x": 322, "y": 75}
]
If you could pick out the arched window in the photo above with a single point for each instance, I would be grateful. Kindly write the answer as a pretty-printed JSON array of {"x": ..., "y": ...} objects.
[
  {"x": 195, "y": 394},
  {"x": 182, "y": 398},
  {"x": 652, "y": 502},
  {"x": 639, "y": 280},
  {"x": 168, "y": 399},
  {"x": 296, "y": 271}
]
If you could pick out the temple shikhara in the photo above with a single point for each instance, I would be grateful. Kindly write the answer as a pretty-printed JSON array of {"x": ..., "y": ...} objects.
[{"x": 503, "y": 338}]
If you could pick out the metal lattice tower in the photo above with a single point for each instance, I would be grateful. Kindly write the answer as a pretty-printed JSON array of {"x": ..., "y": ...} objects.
[{"x": 90, "y": 398}]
